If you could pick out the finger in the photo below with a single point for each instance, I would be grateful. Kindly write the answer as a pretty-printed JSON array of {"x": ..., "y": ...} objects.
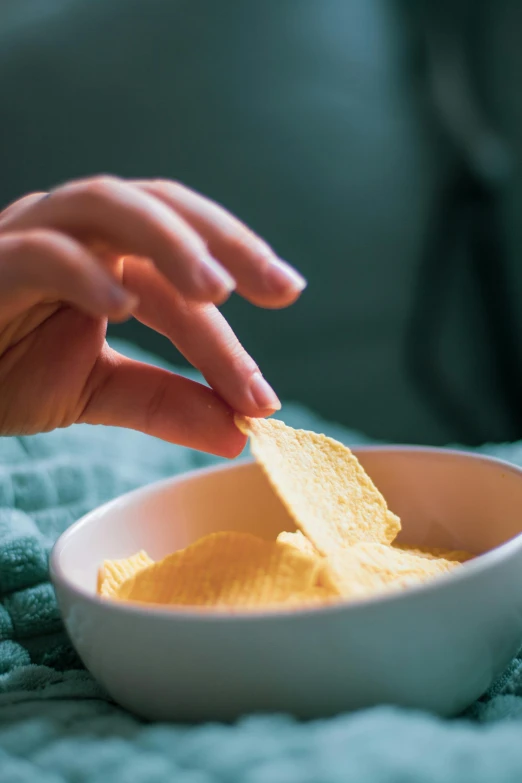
[
  {"x": 261, "y": 276},
  {"x": 131, "y": 222},
  {"x": 17, "y": 207},
  {"x": 41, "y": 263},
  {"x": 204, "y": 337},
  {"x": 127, "y": 393}
]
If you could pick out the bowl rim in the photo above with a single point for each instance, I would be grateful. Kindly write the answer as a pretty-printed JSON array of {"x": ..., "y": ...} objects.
[{"x": 473, "y": 568}]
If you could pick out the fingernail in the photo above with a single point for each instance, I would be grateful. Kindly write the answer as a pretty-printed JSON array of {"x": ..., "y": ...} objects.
[
  {"x": 264, "y": 396},
  {"x": 281, "y": 275},
  {"x": 216, "y": 276}
]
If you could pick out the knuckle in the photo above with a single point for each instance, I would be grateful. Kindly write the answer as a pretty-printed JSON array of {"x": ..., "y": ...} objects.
[
  {"x": 28, "y": 243},
  {"x": 25, "y": 258},
  {"x": 94, "y": 191},
  {"x": 20, "y": 204},
  {"x": 155, "y": 407},
  {"x": 169, "y": 184},
  {"x": 245, "y": 366},
  {"x": 167, "y": 187}
]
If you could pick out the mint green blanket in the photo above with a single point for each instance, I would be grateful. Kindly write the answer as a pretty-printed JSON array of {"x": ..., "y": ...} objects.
[{"x": 56, "y": 725}]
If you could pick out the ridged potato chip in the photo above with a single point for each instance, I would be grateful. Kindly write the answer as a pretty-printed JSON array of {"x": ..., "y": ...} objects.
[
  {"x": 434, "y": 553},
  {"x": 113, "y": 573},
  {"x": 299, "y": 541},
  {"x": 322, "y": 485},
  {"x": 344, "y": 547},
  {"x": 225, "y": 570},
  {"x": 315, "y": 596},
  {"x": 368, "y": 568}
]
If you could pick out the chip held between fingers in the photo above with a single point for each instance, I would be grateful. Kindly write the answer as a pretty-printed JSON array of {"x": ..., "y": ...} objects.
[{"x": 338, "y": 504}]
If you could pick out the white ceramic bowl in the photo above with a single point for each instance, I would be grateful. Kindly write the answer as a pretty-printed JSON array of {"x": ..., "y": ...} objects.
[{"x": 435, "y": 647}]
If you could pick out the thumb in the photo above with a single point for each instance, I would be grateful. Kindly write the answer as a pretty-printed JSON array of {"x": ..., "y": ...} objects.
[{"x": 126, "y": 393}]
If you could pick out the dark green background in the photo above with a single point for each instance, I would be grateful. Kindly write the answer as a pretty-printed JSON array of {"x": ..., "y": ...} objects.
[{"x": 305, "y": 118}]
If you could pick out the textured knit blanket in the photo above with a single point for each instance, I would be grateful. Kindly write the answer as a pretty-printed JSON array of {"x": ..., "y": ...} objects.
[{"x": 57, "y": 725}]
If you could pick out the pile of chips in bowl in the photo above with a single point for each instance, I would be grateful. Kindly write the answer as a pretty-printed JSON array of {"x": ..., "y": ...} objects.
[{"x": 342, "y": 549}]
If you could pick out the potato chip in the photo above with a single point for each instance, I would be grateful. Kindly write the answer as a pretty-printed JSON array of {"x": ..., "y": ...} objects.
[
  {"x": 225, "y": 570},
  {"x": 343, "y": 548},
  {"x": 434, "y": 553},
  {"x": 299, "y": 541},
  {"x": 315, "y": 596},
  {"x": 322, "y": 485},
  {"x": 369, "y": 568},
  {"x": 113, "y": 573}
]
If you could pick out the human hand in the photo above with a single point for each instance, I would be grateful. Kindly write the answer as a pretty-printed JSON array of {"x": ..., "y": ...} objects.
[{"x": 103, "y": 249}]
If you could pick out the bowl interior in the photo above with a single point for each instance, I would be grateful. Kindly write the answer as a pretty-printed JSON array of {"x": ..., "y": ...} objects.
[{"x": 444, "y": 498}]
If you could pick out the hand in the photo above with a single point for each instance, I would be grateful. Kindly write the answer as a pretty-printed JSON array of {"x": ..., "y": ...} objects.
[{"x": 105, "y": 248}]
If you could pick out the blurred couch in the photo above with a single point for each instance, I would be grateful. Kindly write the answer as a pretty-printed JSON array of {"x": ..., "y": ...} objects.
[{"x": 310, "y": 121}]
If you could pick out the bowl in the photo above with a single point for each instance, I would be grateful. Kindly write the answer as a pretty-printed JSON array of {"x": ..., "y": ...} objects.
[{"x": 436, "y": 646}]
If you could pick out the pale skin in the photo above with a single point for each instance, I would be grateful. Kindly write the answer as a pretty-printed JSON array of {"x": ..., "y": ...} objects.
[{"x": 105, "y": 249}]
